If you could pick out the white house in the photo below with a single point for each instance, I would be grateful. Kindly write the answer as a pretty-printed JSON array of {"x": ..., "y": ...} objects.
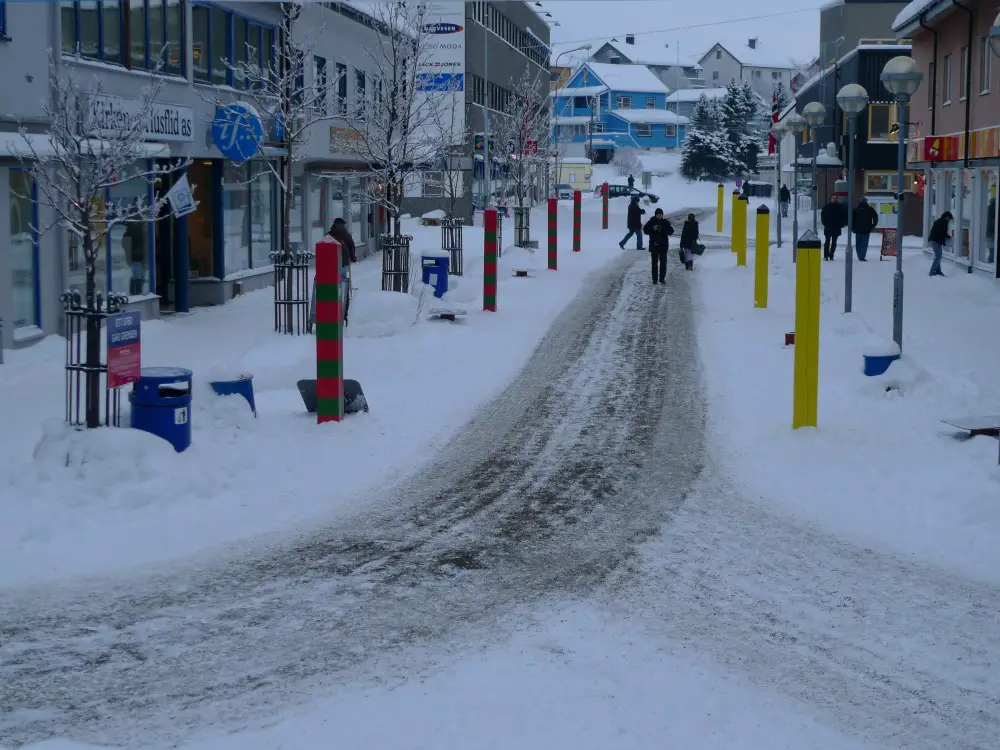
[
  {"x": 763, "y": 67},
  {"x": 677, "y": 69}
]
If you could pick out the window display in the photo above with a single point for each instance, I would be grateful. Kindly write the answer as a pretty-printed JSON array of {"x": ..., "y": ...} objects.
[
  {"x": 235, "y": 217},
  {"x": 129, "y": 245},
  {"x": 988, "y": 210},
  {"x": 263, "y": 215},
  {"x": 23, "y": 248}
]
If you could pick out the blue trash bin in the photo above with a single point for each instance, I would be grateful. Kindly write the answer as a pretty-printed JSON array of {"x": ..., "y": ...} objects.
[
  {"x": 161, "y": 404},
  {"x": 437, "y": 265}
]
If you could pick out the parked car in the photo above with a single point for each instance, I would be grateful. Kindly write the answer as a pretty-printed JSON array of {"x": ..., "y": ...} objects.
[
  {"x": 564, "y": 192},
  {"x": 624, "y": 191}
]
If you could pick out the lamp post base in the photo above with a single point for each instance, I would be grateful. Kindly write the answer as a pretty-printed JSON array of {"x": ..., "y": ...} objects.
[{"x": 897, "y": 305}]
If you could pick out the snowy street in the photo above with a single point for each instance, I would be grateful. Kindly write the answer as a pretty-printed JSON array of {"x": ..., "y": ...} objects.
[{"x": 580, "y": 524}]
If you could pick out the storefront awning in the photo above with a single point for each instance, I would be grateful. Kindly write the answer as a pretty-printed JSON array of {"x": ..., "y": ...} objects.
[{"x": 38, "y": 145}]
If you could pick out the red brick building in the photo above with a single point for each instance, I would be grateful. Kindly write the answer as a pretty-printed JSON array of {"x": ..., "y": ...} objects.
[{"x": 957, "y": 140}]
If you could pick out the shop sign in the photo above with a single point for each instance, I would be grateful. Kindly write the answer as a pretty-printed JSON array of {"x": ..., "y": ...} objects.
[
  {"x": 889, "y": 245},
  {"x": 340, "y": 136},
  {"x": 941, "y": 148},
  {"x": 237, "y": 131},
  {"x": 163, "y": 122},
  {"x": 124, "y": 349},
  {"x": 441, "y": 72},
  {"x": 985, "y": 143},
  {"x": 181, "y": 198}
]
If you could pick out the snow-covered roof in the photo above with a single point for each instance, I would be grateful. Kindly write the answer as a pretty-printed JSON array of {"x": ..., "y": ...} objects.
[
  {"x": 580, "y": 91},
  {"x": 912, "y": 11},
  {"x": 636, "y": 78},
  {"x": 650, "y": 49},
  {"x": 897, "y": 48},
  {"x": 575, "y": 160},
  {"x": 656, "y": 116},
  {"x": 762, "y": 56},
  {"x": 823, "y": 160},
  {"x": 693, "y": 95}
]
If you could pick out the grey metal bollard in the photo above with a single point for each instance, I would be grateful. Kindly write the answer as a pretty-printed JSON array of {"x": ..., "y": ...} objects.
[{"x": 1, "y": 341}]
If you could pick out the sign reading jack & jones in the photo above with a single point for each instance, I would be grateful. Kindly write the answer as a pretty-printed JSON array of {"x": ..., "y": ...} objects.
[{"x": 163, "y": 122}]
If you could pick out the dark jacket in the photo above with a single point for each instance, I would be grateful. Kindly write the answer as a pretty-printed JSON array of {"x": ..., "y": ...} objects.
[
  {"x": 939, "y": 231},
  {"x": 865, "y": 219},
  {"x": 689, "y": 233},
  {"x": 784, "y": 196},
  {"x": 834, "y": 218},
  {"x": 658, "y": 229},
  {"x": 635, "y": 212},
  {"x": 348, "y": 253}
]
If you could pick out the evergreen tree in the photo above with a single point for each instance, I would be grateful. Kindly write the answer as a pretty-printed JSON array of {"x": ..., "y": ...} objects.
[
  {"x": 705, "y": 151},
  {"x": 754, "y": 135},
  {"x": 784, "y": 97},
  {"x": 741, "y": 114}
]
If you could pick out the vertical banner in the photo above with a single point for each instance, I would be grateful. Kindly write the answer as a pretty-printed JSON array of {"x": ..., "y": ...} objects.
[
  {"x": 329, "y": 334},
  {"x": 441, "y": 68},
  {"x": 577, "y": 199},
  {"x": 490, "y": 223},
  {"x": 553, "y": 246}
]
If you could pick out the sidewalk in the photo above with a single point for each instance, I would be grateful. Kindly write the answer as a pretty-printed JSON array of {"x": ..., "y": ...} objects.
[
  {"x": 880, "y": 468},
  {"x": 97, "y": 502}
]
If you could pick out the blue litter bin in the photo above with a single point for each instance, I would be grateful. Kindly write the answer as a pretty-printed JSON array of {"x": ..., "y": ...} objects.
[
  {"x": 242, "y": 386},
  {"x": 161, "y": 404},
  {"x": 438, "y": 266}
]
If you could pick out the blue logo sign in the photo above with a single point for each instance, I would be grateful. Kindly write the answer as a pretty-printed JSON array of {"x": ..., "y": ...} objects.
[
  {"x": 237, "y": 131},
  {"x": 442, "y": 28},
  {"x": 441, "y": 82}
]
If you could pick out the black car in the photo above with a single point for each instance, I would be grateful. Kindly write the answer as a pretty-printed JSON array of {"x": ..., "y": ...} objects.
[{"x": 624, "y": 191}]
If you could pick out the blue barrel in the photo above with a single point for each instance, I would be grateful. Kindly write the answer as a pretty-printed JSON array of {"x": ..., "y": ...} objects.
[{"x": 161, "y": 404}]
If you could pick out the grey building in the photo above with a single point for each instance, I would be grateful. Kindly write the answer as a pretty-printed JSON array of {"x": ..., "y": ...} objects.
[
  {"x": 761, "y": 65},
  {"x": 172, "y": 264},
  {"x": 844, "y": 23}
]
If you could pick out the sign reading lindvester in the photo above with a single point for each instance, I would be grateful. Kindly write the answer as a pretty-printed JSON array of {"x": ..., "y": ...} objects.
[
  {"x": 163, "y": 122},
  {"x": 441, "y": 72}
]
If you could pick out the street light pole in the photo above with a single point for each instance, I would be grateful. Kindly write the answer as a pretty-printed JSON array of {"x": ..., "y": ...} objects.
[
  {"x": 815, "y": 114},
  {"x": 902, "y": 78},
  {"x": 778, "y": 131},
  {"x": 797, "y": 125},
  {"x": 852, "y": 99}
]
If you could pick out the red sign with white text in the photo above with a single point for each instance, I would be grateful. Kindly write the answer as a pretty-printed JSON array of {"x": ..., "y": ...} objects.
[{"x": 124, "y": 349}]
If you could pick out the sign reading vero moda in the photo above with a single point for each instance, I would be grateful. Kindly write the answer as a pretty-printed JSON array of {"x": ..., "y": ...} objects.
[
  {"x": 124, "y": 349},
  {"x": 162, "y": 122}
]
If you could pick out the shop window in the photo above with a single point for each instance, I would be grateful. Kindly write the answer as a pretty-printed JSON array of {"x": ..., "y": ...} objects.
[
  {"x": 986, "y": 254},
  {"x": 644, "y": 131},
  {"x": 250, "y": 215},
  {"x": 129, "y": 246},
  {"x": 263, "y": 215},
  {"x": 23, "y": 248},
  {"x": 357, "y": 221},
  {"x": 131, "y": 33},
  {"x": 236, "y": 217},
  {"x": 879, "y": 121}
]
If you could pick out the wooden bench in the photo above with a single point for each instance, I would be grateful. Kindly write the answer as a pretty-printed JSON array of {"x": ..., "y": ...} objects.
[{"x": 523, "y": 273}]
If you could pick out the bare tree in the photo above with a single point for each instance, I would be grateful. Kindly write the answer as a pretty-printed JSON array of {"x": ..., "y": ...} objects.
[
  {"x": 393, "y": 131},
  {"x": 521, "y": 135},
  {"x": 626, "y": 162},
  {"x": 455, "y": 135},
  {"x": 87, "y": 152}
]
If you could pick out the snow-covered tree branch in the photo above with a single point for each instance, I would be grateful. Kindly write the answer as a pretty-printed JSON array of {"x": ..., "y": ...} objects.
[
  {"x": 455, "y": 135},
  {"x": 520, "y": 136}
]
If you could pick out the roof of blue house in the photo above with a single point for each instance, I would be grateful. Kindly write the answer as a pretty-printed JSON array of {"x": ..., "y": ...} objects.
[
  {"x": 637, "y": 78},
  {"x": 648, "y": 116}
]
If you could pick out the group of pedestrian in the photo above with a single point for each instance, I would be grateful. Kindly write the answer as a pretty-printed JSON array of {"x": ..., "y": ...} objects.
[{"x": 659, "y": 229}]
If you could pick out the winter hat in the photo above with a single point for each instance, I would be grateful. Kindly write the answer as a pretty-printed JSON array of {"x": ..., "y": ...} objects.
[
  {"x": 947, "y": 215},
  {"x": 690, "y": 217},
  {"x": 658, "y": 212},
  {"x": 338, "y": 220},
  {"x": 862, "y": 200}
]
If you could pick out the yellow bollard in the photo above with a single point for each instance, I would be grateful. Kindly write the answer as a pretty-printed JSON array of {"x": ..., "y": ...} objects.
[
  {"x": 734, "y": 227},
  {"x": 741, "y": 248},
  {"x": 761, "y": 258},
  {"x": 806, "y": 378},
  {"x": 720, "y": 208}
]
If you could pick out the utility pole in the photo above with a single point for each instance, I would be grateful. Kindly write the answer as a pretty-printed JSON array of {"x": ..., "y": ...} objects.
[{"x": 590, "y": 147}]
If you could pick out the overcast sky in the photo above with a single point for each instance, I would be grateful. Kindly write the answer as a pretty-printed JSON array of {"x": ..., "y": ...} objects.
[{"x": 697, "y": 24}]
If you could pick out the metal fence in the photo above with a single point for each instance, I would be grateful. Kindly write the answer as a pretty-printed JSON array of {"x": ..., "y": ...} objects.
[
  {"x": 395, "y": 262},
  {"x": 522, "y": 226},
  {"x": 451, "y": 241},
  {"x": 89, "y": 401},
  {"x": 291, "y": 290}
]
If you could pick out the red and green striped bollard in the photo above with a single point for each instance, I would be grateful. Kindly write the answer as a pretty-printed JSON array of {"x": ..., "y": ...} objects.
[
  {"x": 329, "y": 334},
  {"x": 490, "y": 260},
  {"x": 576, "y": 221},
  {"x": 553, "y": 223},
  {"x": 604, "y": 206}
]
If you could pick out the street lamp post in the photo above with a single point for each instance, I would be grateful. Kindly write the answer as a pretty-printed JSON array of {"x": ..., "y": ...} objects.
[
  {"x": 555, "y": 128},
  {"x": 797, "y": 125},
  {"x": 778, "y": 130},
  {"x": 994, "y": 36},
  {"x": 901, "y": 77},
  {"x": 852, "y": 99},
  {"x": 815, "y": 115}
]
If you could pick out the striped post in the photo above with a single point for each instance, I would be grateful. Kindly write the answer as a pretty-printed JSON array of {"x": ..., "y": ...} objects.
[
  {"x": 329, "y": 334},
  {"x": 553, "y": 224},
  {"x": 604, "y": 206},
  {"x": 576, "y": 220},
  {"x": 490, "y": 260}
]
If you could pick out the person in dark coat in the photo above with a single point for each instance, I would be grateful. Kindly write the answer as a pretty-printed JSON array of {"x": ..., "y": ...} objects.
[
  {"x": 689, "y": 238},
  {"x": 784, "y": 198},
  {"x": 938, "y": 238},
  {"x": 658, "y": 229},
  {"x": 631, "y": 182},
  {"x": 864, "y": 220},
  {"x": 635, "y": 212},
  {"x": 348, "y": 252},
  {"x": 834, "y": 219}
]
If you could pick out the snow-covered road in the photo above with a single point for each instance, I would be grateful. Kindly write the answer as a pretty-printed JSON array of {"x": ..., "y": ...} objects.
[{"x": 588, "y": 479}]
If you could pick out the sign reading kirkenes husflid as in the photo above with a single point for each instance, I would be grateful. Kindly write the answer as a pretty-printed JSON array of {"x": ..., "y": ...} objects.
[
  {"x": 441, "y": 70},
  {"x": 161, "y": 122}
]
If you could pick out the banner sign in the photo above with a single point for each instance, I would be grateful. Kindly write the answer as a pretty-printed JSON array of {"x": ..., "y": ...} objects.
[
  {"x": 941, "y": 148},
  {"x": 889, "y": 245},
  {"x": 124, "y": 349},
  {"x": 441, "y": 69},
  {"x": 238, "y": 131},
  {"x": 162, "y": 122},
  {"x": 181, "y": 198}
]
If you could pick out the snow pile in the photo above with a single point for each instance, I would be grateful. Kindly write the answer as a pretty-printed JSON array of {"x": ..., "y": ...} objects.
[
  {"x": 375, "y": 313},
  {"x": 437, "y": 213},
  {"x": 881, "y": 467}
]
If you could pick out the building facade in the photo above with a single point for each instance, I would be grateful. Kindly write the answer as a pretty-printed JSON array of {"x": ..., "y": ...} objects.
[
  {"x": 171, "y": 264},
  {"x": 844, "y": 23},
  {"x": 957, "y": 112},
  {"x": 676, "y": 70},
  {"x": 762, "y": 68}
]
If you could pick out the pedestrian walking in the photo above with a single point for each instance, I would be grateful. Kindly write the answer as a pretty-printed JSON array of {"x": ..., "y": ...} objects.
[
  {"x": 348, "y": 253},
  {"x": 634, "y": 223},
  {"x": 938, "y": 237},
  {"x": 658, "y": 229},
  {"x": 834, "y": 219},
  {"x": 784, "y": 198},
  {"x": 631, "y": 182},
  {"x": 864, "y": 221},
  {"x": 689, "y": 240}
]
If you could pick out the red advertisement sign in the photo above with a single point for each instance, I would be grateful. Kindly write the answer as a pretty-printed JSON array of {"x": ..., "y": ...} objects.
[
  {"x": 889, "y": 245},
  {"x": 941, "y": 148},
  {"x": 124, "y": 349}
]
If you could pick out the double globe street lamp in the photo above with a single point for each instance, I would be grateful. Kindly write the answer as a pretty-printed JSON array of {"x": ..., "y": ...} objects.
[
  {"x": 852, "y": 99},
  {"x": 778, "y": 131},
  {"x": 901, "y": 78},
  {"x": 797, "y": 126},
  {"x": 815, "y": 115}
]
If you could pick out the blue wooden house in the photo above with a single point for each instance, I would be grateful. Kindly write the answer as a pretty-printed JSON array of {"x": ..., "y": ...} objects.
[{"x": 615, "y": 106}]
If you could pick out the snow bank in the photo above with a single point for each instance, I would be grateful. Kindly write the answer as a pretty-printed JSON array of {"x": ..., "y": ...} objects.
[
  {"x": 880, "y": 468},
  {"x": 375, "y": 313}
]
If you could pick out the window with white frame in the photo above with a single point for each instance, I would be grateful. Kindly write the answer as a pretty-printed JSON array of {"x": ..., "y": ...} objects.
[
  {"x": 341, "y": 89},
  {"x": 597, "y": 127},
  {"x": 644, "y": 130},
  {"x": 650, "y": 102},
  {"x": 756, "y": 74},
  {"x": 433, "y": 184},
  {"x": 718, "y": 54},
  {"x": 775, "y": 75},
  {"x": 964, "y": 73},
  {"x": 985, "y": 70},
  {"x": 946, "y": 80},
  {"x": 671, "y": 131},
  {"x": 715, "y": 75},
  {"x": 624, "y": 102},
  {"x": 359, "y": 92}
]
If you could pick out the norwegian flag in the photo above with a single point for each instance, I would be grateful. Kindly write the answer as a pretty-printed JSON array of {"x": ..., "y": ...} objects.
[{"x": 774, "y": 118}]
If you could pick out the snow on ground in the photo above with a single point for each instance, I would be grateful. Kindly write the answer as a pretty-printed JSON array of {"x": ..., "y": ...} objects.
[
  {"x": 578, "y": 677},
  {"x": 86, "y": 503},
  {"x": 881, "y": 467}
]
